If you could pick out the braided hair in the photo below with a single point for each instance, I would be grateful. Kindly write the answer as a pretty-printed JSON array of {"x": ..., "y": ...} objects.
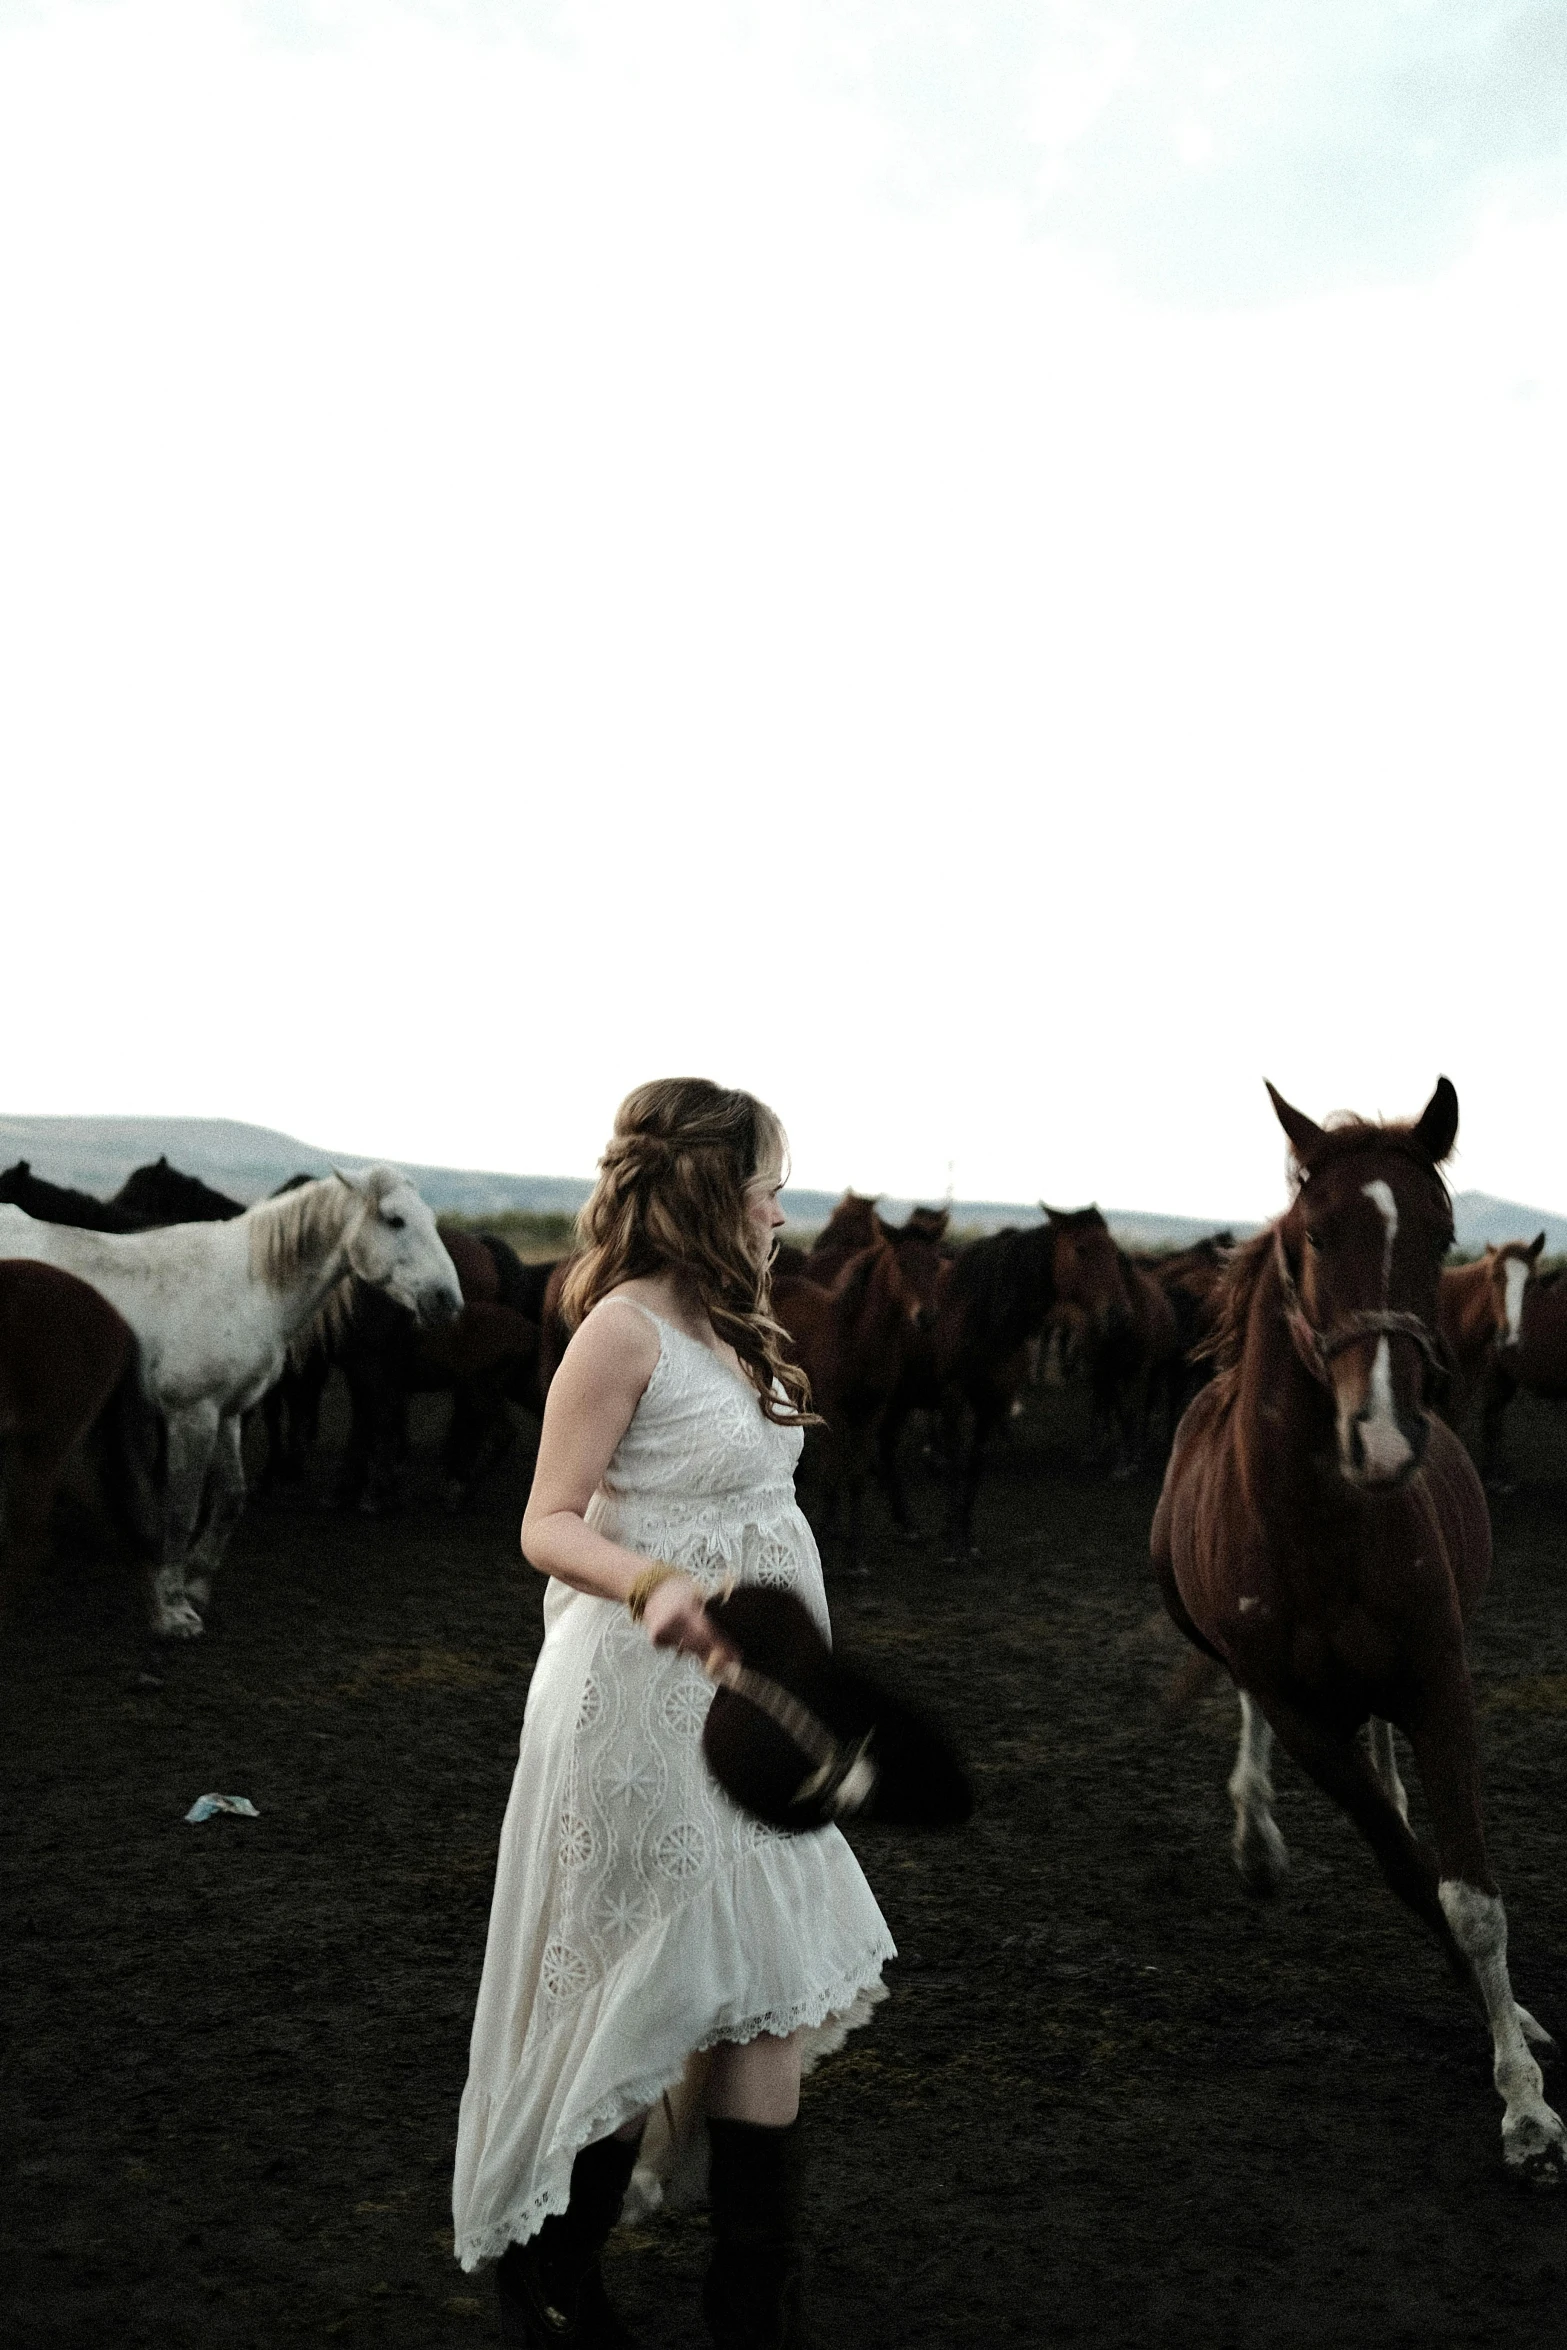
[{"x": 670, "y": 1197}]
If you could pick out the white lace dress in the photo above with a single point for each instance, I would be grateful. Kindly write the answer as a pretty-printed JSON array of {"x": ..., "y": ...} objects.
[{"x": 639, "y": 1915}]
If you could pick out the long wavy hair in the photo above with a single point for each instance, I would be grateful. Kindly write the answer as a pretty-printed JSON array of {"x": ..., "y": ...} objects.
[{"x": 670, "y": 1197}]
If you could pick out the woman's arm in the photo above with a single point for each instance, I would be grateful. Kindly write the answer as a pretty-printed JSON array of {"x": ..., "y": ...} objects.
[{"x": 601, "y": 1380}]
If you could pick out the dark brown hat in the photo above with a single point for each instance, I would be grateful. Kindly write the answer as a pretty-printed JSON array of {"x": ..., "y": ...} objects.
[{"x": 799, "y": 1740}]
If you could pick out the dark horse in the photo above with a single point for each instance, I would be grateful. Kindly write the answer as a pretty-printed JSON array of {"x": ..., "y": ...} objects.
[
  {"x": 159, "y": 1194},
  {"x": 995, "y": 1297},
  {"x": 1325, "y": 1537},
  {"x": 55, "y": 1203},
  {"x": 853, "y": 1340},
  {"x": 64, "y": 1353}
]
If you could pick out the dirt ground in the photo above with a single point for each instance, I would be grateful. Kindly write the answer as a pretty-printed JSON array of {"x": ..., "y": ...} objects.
[{"x": 1110, "y": 2101}]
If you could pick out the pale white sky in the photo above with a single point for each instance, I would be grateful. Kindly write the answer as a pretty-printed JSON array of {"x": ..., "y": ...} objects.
[{"x": 993, "y": 572}]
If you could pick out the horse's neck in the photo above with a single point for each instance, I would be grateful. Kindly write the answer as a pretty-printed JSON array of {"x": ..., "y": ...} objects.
[
  {"x": 1031, "y": 1298},
  {"x": 1282, "y": 1412},
  {"x": 1466, "y": 1296},
  {"x": 882, "y": 1305}
]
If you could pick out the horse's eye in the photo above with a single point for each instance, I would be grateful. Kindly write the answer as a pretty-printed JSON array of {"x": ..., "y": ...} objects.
[
  {"x": 1313, "y": 1239},
  {"x": 394, "y": 1223}
]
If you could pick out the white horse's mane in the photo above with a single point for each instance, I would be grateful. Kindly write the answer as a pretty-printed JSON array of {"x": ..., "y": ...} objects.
[{"x": 298, "y": 1229}]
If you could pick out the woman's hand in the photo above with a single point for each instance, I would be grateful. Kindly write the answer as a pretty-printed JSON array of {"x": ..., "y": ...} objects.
[{"x": 676, "y": 1617}]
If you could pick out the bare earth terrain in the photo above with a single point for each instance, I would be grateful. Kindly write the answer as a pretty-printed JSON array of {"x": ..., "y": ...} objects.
[{"x": 1111, "y": 2101}]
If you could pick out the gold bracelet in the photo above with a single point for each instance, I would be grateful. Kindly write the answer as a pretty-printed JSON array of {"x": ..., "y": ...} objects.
[{"x": 644, "y": 1586}]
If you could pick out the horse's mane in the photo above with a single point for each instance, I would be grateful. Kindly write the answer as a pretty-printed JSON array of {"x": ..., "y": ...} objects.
[
  {"x": 1243, "y": 1270},
  {"x": 297, "y": 1227}
]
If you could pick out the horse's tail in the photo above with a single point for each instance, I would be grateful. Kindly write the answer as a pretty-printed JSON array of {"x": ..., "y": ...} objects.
[{"x": 130, "y": 1448}]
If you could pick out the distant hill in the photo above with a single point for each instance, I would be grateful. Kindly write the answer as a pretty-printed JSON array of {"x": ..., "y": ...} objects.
[{"x": 96, "y": 1154}]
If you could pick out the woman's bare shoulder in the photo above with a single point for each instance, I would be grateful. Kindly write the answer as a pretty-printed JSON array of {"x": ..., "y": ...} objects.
[{"x": 617, "y": 1342}]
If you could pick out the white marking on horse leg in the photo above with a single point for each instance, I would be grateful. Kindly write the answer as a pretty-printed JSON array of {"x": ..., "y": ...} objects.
[
  {"x": 1534, "y": 2142},
  {"x": 1384, "y": 1761},
  {"x": 1381, "y": 1197},
  {"x": 1261, "y": 1854},
  {"x": 1515, "y": 1280}
]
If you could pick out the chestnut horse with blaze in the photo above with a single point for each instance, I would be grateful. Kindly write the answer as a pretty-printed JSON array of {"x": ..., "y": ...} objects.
[
  {"x": 1325, "y": 1537},
  {"x": 1479, "y": 1312}
]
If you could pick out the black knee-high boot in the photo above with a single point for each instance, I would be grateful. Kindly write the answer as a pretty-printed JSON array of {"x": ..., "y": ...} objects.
[
  {"x": 551, "y": 2291},
  {"x": 754, "y": 2298}
]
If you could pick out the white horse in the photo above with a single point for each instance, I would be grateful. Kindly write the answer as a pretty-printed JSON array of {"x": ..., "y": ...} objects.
[{"x": 213, "y": 1307}]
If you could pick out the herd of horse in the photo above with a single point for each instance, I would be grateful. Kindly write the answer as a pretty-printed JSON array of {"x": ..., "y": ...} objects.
[{"x": 1322, "y": 1532}]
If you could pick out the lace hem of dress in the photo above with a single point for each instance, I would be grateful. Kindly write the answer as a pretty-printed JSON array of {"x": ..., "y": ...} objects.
[{"x": 638, "y": 2096}]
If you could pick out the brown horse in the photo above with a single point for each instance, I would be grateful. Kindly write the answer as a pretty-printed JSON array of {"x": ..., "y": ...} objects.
[
  {"x": 852, "y": 1226},
  {"x": 64, "y": 1352},
  {"x": 1480, "y": 1309},
  {"x": 1324, "y": 1537},
  {"x": 1535, "y": 1359},
  {"x": 854, "y": 1341},
  {"x": 995, "y": 1298},
  {"x": 1135, "y": 1367}
]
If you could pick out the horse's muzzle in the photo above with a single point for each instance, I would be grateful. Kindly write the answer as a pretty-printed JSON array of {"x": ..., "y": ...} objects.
[
  {"x": 437, "y": 1306},
  {"x": 1380, "y": 1452}
]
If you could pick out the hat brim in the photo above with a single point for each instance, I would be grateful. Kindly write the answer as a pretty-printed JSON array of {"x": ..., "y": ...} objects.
[{"x": 888, "y": 1762}]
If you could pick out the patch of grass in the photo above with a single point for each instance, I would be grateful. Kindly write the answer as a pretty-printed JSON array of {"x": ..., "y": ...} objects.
[
  {"x": 1530, "y": 1693},
  {"x": 418, "y": 1668}
]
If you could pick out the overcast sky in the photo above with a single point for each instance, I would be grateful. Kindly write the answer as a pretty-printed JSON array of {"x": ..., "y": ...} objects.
[{"x": 993, "y": 572}]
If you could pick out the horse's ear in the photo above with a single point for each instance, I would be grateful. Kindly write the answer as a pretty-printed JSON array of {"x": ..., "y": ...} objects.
[
  {"x": 1532, "y": 1252},
  {"x": 1048, "y": 1213},
  {"x": 1436, "y": 1130},
  {"x": 1304, "y": 1132},
  {"x": 351, "y": 1182}
]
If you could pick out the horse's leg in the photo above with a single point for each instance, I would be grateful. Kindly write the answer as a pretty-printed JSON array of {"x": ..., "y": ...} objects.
[
  {"x": 889, "y": 1466},
  {"x": 1261, "y": 1854},
  {"x": 225, "y": 1506},
  {"x": 1460, "y": 1905},
  {"x": 1534, "y": 2142},
  {"x": 964, "y": 1466},
  {"x": 1384, "y": 1761},
  {"x": 1498, "y": 1394},
  {"x": 28, "y": 1477},
  {"x": 192, "y": 1435}
]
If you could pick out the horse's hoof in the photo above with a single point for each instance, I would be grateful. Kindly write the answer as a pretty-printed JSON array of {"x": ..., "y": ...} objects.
[
  {"x": 179, "y": 1622},
  {"x": 1534, "y": 2148},
  {"x": 908, "y": 1537}
]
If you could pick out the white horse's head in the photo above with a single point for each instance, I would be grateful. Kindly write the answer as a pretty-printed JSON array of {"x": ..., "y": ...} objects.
[{"x": 394, "y": 1245}]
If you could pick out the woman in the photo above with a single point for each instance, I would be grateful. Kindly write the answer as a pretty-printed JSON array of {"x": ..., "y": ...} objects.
[{"x": 639, "y": 1916}]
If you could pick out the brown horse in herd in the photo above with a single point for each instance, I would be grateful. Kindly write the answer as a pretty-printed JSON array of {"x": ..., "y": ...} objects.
[
  {"x": 972, "y": 1364},
  {"x": 853, "y": 1328},
  {"x": 1480, "y": 1311},
  {"x": 1533, "y": 1357},
  {"x": 1325, "y": 1538}
]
